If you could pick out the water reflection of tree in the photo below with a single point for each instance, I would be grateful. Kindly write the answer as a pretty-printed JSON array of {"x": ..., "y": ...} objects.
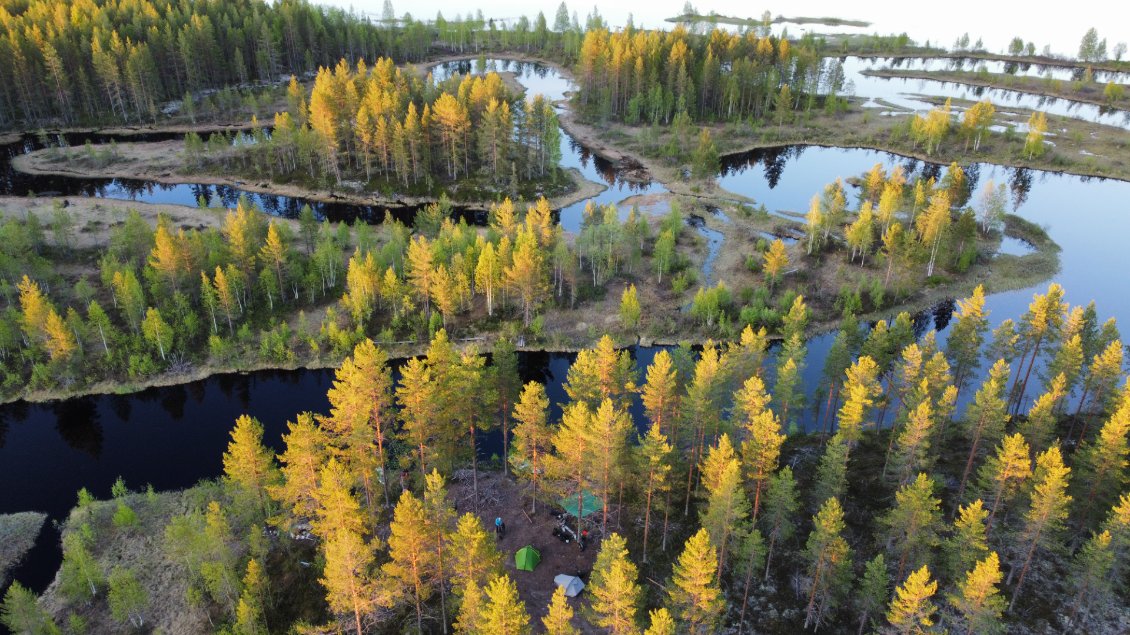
[
  {"x": 1020, "y": 182},
  {"x": 79, "y": 424},
  {"x": 943, "y": 313},
  {"x": 197, "y": 391},
  {"x": 922, "y": 322},
  {"x": 775, "y": 165},
  {"x": 122, "y": 406},
  {"x": 931, "y": 171},
  {"x": 972, "y": 176},
  {"x": 173, "y": 399}
]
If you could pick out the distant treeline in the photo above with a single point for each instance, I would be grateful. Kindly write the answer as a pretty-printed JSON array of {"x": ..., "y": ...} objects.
[{"x": 72, "y": 62}]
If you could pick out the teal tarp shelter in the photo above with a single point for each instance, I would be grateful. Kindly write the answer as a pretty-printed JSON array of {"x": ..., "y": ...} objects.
[
  {"x": 527, "y": 558},
  {"x": 589, "y": 503}
]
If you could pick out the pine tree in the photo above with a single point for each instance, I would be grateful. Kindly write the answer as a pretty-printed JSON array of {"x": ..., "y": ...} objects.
[
  {"x": 781, "y": 505},
  {"x": 1118, "y": 524},
  {"x": 654, "y": 459},
  {"x": 1038, "y": 429},
  {"x": 727, "y": 507},
  {"x": 874, "y": 591},
  {"x": 80, "y": 575},
  {"x": 615, "y": 593},
  {"x": 831, "y": 472},
  {"x": 762, "y": 447},
  {"x": 21, "y": 613},
  {"x": 630, "y": 308},
  {"x": 532, "y": 438},
  {"x": 985, "y": 418},
  {"x": 504, "y": 613},
  {"x": 418, "y": 409},
  {"x": 776, "y": 260},
  {"x": 301, "y": 464},
  {"x": 695, "y": 597},
  {"x": 471, "y": 607},
  {"x": 702, "y": 407},
  {"x": 979, "y": 601},
  {"x": 248, "y": 466},
  {"x": 968, "y": 543},
  {"x": 1092, "y": 568},
  {"x": 361, "y": 415},
  {"x": 572, "y": 454},
  {"x": 1044, "y": 519},
  {"x": 912, "y": 525},
  {"x": 337, "y": 507},
  {"x": 911, "y": 610},
  {"x": 912, "y": 445},
  {"x": 412, "y": 559},
  {"x": 750, "y": 557},
  {"x": 252, "y": 601},
  {"x": 660, "y": 395},
  {"x": 441, "y": 520},
  {"x": 1003, "y": 474},
  {"x": 127, "y": 598},
  {"x": 474, "y": 411},
  {"x": 1102, "y": 378},
  {"x": 559, "y": 618},
  {"x": 608, "y": 435},
  {"x": 347, "y": 576},
  {"x": 1041, "y": 325},
  {"x": 474, "y": 556},
  {"x": 507, "y": 386},
  {"x": 601, "y": 373},
  {"x": 829, "y": 563},
  {"x": 1104, "y": 459},
  {"x": 660, "y": 622},
  {"x": 860, "y": 391}
]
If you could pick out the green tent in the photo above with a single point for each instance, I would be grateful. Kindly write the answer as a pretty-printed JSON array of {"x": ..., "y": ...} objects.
[
  {"x": 527, "y": 558},
  {"x": 589, "y": 503}
]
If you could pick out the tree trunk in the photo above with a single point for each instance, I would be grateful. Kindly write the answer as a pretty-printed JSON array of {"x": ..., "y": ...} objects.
[
  {"x": 969, "y": 461},
  {"x": 1023, "y": 571},
  {"x": 647, "y": 514},
  {"x": 666, "y": 512},
  {"x": 812, "y": 595},
  {"x": 384, "y": 470}
]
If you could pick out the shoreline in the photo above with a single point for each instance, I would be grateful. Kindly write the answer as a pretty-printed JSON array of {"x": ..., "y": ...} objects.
[
  {"x": 966, "y": 78},
  {"x": 167, "y": 173},
  {"x": 594, "y": 141},
  {"x": 1035, "y": 60}
]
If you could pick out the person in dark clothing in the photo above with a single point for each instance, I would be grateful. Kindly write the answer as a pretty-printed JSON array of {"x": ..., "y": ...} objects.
[
  {"x": 499, "y": 527},
  {"x": 583, "y": 539}
]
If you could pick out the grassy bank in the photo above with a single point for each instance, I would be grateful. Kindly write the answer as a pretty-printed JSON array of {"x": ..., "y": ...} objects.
[
  {"x": 17, "y": 536},
  {"x": 164, "y": 162},
  {"x": 1081, "y": 148},
  {"x": 1020, "y": 60},
  {"x": 1076, "y": 91}
]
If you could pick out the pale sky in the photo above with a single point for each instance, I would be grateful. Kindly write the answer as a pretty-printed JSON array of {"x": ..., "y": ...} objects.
[{"x": 996, "y": 22}]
